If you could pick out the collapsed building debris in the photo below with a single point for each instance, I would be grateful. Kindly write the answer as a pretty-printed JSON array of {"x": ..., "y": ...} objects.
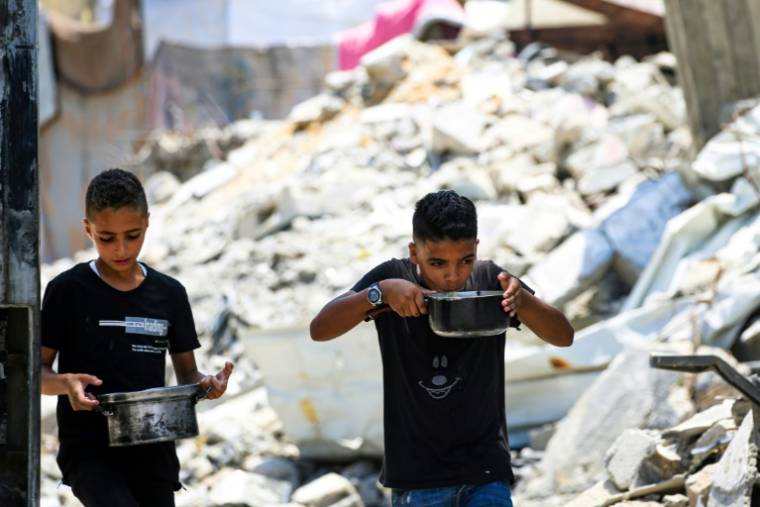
[{"x": 581, "y": 175}]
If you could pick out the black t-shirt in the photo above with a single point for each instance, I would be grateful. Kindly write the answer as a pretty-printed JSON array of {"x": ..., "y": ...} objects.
[
  {"x": 444, "y": 416},
  {"x": 122, "y": 338}
]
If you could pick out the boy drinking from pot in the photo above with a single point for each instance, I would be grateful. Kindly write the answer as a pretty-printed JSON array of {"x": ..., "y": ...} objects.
[
  {"x": 111, "y": 321},
  {"x": 444, "y": 415}
]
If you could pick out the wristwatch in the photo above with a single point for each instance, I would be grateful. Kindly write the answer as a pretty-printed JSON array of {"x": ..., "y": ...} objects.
[{"x": 374, "y": 294}]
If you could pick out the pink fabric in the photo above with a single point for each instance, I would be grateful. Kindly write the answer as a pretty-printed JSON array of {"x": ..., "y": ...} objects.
[{"x": 393, "y": 18}]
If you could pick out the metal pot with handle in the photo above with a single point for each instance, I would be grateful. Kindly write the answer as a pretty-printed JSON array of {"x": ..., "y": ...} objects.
[
  {"x": 467, "y": 314},
  {"x": 153, "y": 415}
]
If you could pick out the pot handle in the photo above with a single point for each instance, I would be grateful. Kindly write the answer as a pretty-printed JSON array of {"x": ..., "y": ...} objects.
[
  {"x": 202, "y": 394},
  {"x": 375, "y": 312}
]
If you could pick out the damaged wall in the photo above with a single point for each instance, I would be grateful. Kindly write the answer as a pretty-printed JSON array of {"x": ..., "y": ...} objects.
[
  {"x": 718, "y": 46},
  {"x": 19, "y": 256}
]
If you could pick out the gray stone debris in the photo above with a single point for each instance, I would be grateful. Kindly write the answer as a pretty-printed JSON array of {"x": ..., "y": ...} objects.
[
  {"x": 160, "y": 186},
  {"x": 458, "y": 128},
  {"x": 713, "y": 441},
  {"x": 384, "y": 64},
  {"x": 698, "y": 485},
  {"x": 702, "y": 421},
  {"x": 238, "y": 487},
  {"x": 578, "y": 262},
  {"x": 627, "y": 455},
  {"x": 573, "y": 166},
  {"x": 328, "y": 490},
  {"x": 736, "y": 472},
  {"x": 623, "y": 397},
  {"x": 675, "y": 501},
  {"x": 316, "y": 109},
  {"x": 634, "y": 231},
  {"x": 597, "y": 496}
]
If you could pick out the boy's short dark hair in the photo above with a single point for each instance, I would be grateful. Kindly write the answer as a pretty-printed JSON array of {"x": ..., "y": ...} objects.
[
  {"x": 444, "y": 215},
  {"x": 115, "y": 188}
]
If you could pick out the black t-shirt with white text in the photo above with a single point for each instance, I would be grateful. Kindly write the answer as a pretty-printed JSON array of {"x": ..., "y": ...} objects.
[
  {"x": 122, "y": 338},
  {"x": 444, "y": 415}
]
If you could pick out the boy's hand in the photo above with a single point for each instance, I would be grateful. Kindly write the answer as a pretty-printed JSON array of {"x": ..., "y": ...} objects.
[
  {"x": 218, "y": 382},
  {"x": 76, "y": 383},
  {"x": 404, "y": 297},
  {"x": 513, "y": 293}
]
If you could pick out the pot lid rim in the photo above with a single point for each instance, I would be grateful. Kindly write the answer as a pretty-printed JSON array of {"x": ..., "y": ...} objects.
[
  {"x": 469, "y": 294},
  {"x": 153, "y": 394}
]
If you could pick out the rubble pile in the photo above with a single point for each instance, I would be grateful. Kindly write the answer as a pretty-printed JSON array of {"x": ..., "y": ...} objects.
[
  {"x": 307, "y": 205},
  {"x": 185, "y": 154},
  {"x": 671, "y": 440},
  {"x": 639, "y": 436},
  {"x": 580, "y": 172}
]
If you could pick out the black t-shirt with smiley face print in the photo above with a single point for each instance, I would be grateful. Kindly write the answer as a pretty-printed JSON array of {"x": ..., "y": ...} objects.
[
  {"x": 444, "y": 415},
  {"x": 122, "y": 338}
]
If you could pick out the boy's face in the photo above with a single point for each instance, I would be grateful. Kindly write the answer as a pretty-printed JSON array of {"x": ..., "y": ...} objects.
[
  {"x": 444, "y": 265},
  {"x": 118, "y": 235}
]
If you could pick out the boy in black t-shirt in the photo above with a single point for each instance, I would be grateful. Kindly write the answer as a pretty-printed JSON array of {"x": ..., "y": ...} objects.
[
  {"x": 444, "y": 415},
  {"x": 110, "y": 322}
]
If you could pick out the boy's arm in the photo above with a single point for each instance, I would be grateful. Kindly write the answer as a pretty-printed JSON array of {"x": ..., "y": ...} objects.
[
  {"x": 340, "y": 315},
  {"x": 347, "y": 310},
  {"x": 71, "y": 384},
  {"x": 187, "y": 373},
  {"x": 547, "y": 322}
]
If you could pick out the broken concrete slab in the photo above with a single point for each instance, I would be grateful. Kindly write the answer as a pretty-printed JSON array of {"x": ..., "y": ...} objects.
[
  {"x": 642, "y": 134},
  {"x": 384, "y": 65},
  {"x": 733, "y": 151},
  {"x": 463, "y": 175},
  {"x": 588, "y": 77},
  {"x": 622, "y": 397},
  {"x": 160, "y": 186},
  {"x": 316, "y": 109},
  {"x": 713, "y": 441},
  {"x": 327, "y": 490},
  {"x": 237, "y": 487},
  {"x": 664, "y": 462},
  {"x": 508, "y": 173},
  {"x": 458, "y": 128},
  {"x": 606, "y": 179},
  {"x": 201, "y": 185},
  {"x": 634, "y": 231},
  {"x": 675, "y": 501},
  {"x": 702, "y": 421},
  {"x": 736, "y": 473},
  {"x": 490, "y": 83},
  {"x": 518, "y": 132},
  {"x": 698, "y": 485},
  {"x": 609, "y": 151},
  {"x": 624, "y": 459},
  {"x": 597, "y": 496},
  {"x": 574, "y": 265}
]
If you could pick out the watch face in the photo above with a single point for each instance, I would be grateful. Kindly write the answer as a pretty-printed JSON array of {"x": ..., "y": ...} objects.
[{"x": 373, "y": 295}]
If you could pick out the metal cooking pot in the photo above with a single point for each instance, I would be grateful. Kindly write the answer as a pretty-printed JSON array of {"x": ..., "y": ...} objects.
[
  {"x": 468, "y": 314},
  {"x": 153, "y": 415}
]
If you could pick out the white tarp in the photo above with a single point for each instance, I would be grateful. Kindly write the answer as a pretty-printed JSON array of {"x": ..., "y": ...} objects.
[{"x": 327, "y": 394}]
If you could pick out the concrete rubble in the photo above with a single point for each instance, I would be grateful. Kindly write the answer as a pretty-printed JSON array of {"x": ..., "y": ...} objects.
[{"x": 581, "y": 173}]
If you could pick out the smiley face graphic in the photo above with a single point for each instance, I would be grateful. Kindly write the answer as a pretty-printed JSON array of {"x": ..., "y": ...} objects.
[{"x": 441, "y": 385}]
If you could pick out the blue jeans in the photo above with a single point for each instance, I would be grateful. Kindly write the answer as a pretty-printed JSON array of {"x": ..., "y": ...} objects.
[{"x": 491, "y": 494}]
